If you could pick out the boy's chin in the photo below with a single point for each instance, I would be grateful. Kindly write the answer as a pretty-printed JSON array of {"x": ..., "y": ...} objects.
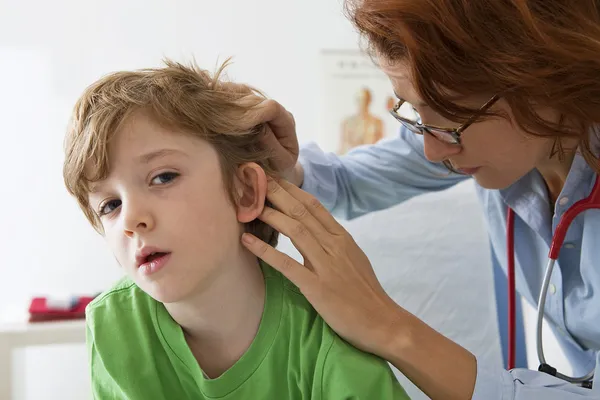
[
  {"x": 163, "y": 292},
  {"x": 166, "y": 298}
]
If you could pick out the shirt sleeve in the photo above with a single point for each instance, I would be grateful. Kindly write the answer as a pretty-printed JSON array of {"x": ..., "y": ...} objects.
[
  {"x": 372, "y": 177},
  {"x": 524, "y": 384},
  {"x": 349, "y": 373},
  {"x": 104, "y": 386}
]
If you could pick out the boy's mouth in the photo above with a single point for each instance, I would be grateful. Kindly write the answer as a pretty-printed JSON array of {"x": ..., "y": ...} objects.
[
  {"x": 154, "y": 256},
  {"x": 148, "y": 254}
]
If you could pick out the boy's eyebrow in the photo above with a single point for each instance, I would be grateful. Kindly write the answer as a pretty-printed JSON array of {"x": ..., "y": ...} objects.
[
  {"x": 146, "y": 158},
  {"x": 93, "y": 188}
]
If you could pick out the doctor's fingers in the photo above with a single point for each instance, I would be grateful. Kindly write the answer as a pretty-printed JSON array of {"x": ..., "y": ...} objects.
[
  {"x": 268, "y": 111},
  {"x": 300, "y": 276},
  {"x": 280, "y": 133},
  {"x": 306, "y": 209},
  {"x": 302, "y": 239},
  {"x": 280, "y": 120},
  {"x": 314, "y": 207},
  {"x": 285, "y": 154}
]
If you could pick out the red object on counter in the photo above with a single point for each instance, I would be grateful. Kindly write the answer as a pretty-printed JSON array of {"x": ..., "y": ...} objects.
[{"x": 39, "y": 311}]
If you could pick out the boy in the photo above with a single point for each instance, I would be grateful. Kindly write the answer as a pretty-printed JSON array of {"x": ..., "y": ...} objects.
[{"x": 158, "y": 163}]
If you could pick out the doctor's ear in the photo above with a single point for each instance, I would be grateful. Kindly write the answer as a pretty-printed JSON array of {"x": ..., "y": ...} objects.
[{"x": 250, "y": 191}]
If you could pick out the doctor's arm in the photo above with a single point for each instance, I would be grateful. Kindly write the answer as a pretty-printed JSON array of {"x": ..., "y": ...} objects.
[
  {"x": 372, "y": 177},
  {"x": 368, "y": 178},
  {"x": 338, "y": 280}
]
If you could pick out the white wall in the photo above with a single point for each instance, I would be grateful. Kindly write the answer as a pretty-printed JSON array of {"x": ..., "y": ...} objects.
[{"x": 49, "y": 51}]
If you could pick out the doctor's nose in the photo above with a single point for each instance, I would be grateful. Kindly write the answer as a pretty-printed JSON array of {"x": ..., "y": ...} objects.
[
  {"x": 137, "y": 219},
  {"x": 437, "y": 151}
]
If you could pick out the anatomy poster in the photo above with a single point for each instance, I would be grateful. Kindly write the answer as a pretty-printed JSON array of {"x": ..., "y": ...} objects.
[{"x": 355, "y": 101}]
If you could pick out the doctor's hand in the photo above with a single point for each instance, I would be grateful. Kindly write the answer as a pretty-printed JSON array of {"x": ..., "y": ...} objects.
[
  {"x": 280, "y": 136},
  {"x": 337, "y": 277}
]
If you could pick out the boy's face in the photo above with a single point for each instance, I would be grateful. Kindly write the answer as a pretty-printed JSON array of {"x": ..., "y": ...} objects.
[{"x": 165, "y": 193}]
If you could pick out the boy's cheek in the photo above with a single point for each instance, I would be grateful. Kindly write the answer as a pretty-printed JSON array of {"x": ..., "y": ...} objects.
[{"x": 119, "y": 249}]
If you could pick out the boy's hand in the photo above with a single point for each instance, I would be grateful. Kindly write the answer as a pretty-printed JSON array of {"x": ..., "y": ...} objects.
[{"x": 280, "y": 136}]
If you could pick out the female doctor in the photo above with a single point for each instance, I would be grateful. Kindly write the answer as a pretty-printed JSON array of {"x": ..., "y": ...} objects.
[{"x": 504, "y": 91}]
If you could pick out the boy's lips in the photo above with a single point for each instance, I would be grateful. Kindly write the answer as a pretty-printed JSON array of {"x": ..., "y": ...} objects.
[
  {"x": 154, "y": 263},
  {"x": 148, "y": 254}
]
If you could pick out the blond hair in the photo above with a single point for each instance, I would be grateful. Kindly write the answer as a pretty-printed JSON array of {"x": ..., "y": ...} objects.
[{"x": 184, "y": 98}]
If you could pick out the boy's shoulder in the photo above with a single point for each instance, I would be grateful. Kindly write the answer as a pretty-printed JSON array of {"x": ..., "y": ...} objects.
[
  {"x": 121, "y": 288},
  {"x": 114, "y": 303},
  {"x": 341, "y": 370},
  {"x": 351, "y": 373},
  {"x": 294, "y": 303},
  {"x": 302, "y": 323}
]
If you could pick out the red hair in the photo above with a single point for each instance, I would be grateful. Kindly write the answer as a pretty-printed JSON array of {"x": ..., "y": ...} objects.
[{"x": 532, "y": 52}]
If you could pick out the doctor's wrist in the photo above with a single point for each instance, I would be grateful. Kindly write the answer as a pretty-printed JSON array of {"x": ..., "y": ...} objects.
[
  {"x": 441, "y": 368},
  {"x": 397, "y": 335}
]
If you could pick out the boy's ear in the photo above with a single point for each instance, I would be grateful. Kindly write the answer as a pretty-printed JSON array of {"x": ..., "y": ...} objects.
[{"x": 250, "y": 191}]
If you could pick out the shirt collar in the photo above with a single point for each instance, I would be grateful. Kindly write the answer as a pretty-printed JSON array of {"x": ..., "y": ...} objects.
[{"x": 528, "y": 196}]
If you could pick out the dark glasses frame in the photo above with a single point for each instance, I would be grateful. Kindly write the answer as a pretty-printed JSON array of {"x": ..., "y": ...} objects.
[{"x": 446, "y": 135}]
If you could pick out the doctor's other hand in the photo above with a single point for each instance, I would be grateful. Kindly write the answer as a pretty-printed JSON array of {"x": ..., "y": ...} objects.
[
  {"x": 337, "y": 277},
  {"x": 280, "y": 136}
]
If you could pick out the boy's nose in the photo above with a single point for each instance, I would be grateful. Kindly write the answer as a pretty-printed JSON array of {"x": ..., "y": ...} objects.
[
  {"x": 137, "y": 220},
  {"x": 438, "y": 151}
]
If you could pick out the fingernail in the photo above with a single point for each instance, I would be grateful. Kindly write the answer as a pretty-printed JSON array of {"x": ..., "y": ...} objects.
[{"x": 247, "y": 238}]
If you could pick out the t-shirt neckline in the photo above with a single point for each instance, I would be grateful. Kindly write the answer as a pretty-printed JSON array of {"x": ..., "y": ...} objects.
[{"x": 245, "y": 367}]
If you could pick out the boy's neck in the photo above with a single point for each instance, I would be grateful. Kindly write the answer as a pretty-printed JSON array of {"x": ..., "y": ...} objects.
[{"x": 221, "y": 322}]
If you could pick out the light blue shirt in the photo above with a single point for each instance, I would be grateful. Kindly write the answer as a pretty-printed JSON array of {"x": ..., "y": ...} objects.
[{"x": 376, "y": 177}]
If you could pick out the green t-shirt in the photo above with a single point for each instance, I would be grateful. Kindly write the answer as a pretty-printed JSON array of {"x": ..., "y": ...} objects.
[{"x": 138, "y": 352}]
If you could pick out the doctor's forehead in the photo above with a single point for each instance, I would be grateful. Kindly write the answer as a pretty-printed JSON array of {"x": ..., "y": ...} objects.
[{"x": 399, "y": 76}]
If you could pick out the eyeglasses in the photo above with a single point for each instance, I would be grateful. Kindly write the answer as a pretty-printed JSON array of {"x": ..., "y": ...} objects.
[{"x": 446, "y": 135}]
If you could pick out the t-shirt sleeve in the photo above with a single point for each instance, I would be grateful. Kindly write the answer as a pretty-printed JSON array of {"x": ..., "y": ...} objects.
[
  {"x": 350, "y": 374},
  {"x": 104, "y": 386}
]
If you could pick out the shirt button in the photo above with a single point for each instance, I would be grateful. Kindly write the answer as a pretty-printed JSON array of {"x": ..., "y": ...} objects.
[
  {"x": 569, "y": 245},
  {"x": 563, "y": 201},
  {"x": 552, "y": 288}
]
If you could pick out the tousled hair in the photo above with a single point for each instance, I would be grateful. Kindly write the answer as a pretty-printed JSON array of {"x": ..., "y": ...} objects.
[{"x": 182, "y": 97}]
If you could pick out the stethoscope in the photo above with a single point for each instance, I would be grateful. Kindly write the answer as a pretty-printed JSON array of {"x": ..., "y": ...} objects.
[{"x": 591, "y": 202}]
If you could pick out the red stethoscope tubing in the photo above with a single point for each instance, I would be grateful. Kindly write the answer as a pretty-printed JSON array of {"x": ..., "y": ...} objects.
[
  {"x": 592, "y": 201},
  {"x": 510, "y": 252}
]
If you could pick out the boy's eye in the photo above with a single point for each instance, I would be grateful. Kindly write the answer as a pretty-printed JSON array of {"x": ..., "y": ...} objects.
[
  {"x": 164, "y": 178},
  {"x": 108, "y": 207}
]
